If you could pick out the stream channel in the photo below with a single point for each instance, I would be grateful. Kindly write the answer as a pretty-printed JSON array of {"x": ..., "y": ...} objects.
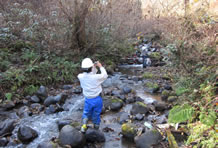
[{"x": 46, "y": 125}]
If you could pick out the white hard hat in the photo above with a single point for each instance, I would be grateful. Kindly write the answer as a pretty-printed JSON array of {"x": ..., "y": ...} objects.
[{"x": 87, "y": 63}]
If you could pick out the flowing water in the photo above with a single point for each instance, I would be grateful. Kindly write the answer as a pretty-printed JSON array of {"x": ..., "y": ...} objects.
[{"x": 47, "y": 128}]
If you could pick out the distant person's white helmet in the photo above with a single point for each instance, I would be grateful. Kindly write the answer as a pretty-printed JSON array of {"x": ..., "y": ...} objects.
[{"x": 87, "y": 63}]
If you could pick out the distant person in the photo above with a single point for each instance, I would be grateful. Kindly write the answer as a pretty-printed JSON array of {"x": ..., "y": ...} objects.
[{"x": 91, "y": 82}]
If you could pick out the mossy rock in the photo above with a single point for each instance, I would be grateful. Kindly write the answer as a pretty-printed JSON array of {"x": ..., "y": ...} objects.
[
  {"x": 166, "y": 77},
  {"x": 128, "y": 130},
  {"x": 116, "y": 104},
  {"x": 172, "y": 98},
  {"x": 141, "y": 104},
  {"x": 152, "y": 85},
  {"x": 165, "y": 93},
  {"x": 147, "y": 75},
  {"x": 155, "y": 55},
  {"x": 139, "y": 108}
]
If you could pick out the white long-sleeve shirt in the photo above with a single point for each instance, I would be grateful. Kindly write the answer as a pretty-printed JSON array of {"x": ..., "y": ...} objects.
[{"x": 91, "y": 82}]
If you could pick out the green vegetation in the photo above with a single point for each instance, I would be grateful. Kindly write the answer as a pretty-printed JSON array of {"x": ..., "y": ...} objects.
[
  {"x": 147, "y": 75},
  {"x": 151, "y": 85}
]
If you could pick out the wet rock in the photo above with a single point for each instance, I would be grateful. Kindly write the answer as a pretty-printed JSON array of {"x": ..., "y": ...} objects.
[
  {"x": 116, "y": 93},
  {"x": 130, "y": 100},
  {"x": 93, "y": 135},
  {"x": 164, "y": 95},
  {"x": 62, "y": 123},
  {"x": 8, "y": 105},
  {"x": 152, "y": 87},
  {"x": 107, "y": 83},
  {"x": 7, "y": 126},
  {"x": 3, "y": 141},
  {"x": 34, "y": 99},
  {"x": 157, "y": 119},
  {"x": 50, "y": 110},
  {"x": 159, "y": 106},
  {"x": 77, "y": 90},
  {"x": 122, "y": 97},
  {"x": 24, "y": 112},
  {"x": 139, "y": 99},
  {"x": 127, "y": 90},
  {"x": 172, "y": 99},
  {"x": 50, "y": 100},
  {"x": 42, "y": 93},
  {"x": 26, "y": 134},
  {"x": 61, "y": 98},
  {"x": 148, "y": 139},
  {"x": 66, "y": 87},
  {"x": 128, "y": 131},
  {"x": 123, "y": 117},
  {"x": 46, "y": 144},
  {"x": 139, "y": 107},
  {"x": 36, "y": 107},
  {"x": 116, "y": 104},
  {"x": 72, "y": 137},
  {"x": 168, "y": 87},
  {"x": 139, "y": 117}
]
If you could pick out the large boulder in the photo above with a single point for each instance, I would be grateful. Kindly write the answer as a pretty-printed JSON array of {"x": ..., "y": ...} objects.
[
  {"x": 42, "y": 93},
  {"x": 7, "y": 105},
  {"x": 60, "y": 98},
  {"x": 72, "y": 137},
  {"x": 62, "y": 123},
  {"x": 128, "y": 131},
  {"x": 93, "y": 135},
  {"x": 26, "y": 134},
  {"x": 139, "y": 108},
  {"x": 7, "y": 126},
  {"x": 148, "y": 139}
]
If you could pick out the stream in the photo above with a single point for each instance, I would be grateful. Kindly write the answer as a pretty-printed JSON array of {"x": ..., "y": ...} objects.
[{"x": 46, "y": 125}]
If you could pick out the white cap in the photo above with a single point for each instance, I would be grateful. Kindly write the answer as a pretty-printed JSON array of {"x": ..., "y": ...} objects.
[{"x": 87, "y": 63}]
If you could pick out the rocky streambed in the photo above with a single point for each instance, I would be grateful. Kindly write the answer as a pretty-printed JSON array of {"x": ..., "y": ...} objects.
[{"x": 136, "y": 106}]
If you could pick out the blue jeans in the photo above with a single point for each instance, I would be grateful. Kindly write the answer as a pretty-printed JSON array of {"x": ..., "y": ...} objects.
[{"x": 92, "y": 109}]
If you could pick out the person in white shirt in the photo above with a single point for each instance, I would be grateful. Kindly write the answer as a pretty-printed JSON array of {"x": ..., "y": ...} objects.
[{"x": 91, "y": 82}]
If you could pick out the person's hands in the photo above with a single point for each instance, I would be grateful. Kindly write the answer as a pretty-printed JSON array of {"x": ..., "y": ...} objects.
[{"x": 98, "y": 64}]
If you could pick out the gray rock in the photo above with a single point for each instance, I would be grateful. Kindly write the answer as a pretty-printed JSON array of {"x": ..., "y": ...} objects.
[
  {"x": 116, "y": 104},
  {"x": 93, "y": 135},
  {"x": 36, "y": 107},
  {"x": 139, "y": 99},
  {"x": 35, "y": 99},
  {"x": 148, "y": 139},
  {"x": 61, "y": 98},
  {"x": 46, "y": 144},
  {"x": 139, "y": 117},
  {"x": 123, "y": 117},
  {"x": 172, "y": 99},
  {"x": 127, "y": 90},
  {"x": 50, "y": 100},
  {"x": 42, "y": 92},
  {"x": 77, "y": 90},
  {"x": 26, "y": 134},
  {"x": 62, "y": 123},
  {"x": 116, "y": 93},
  {"x": 3, "y": 141},
  {"x": 159, "y": 106},
  {"x": 7, "y": 126},
  {"x": 8, "y": 105},
  {"x": 66, "y": 87},
  {"x": 50, "y": 110},
  {"x": 157, "y": 119},
  {"x": 130, "y": 100},
  {"x": 128, "y": 131},
  {"x": 107, "y": 83},
  {"x": 168, "y": 87},
  {"x": 139, "y": 107},
  {"x": 24, "y": 112},
  {"x": 70, "y": 136}
]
